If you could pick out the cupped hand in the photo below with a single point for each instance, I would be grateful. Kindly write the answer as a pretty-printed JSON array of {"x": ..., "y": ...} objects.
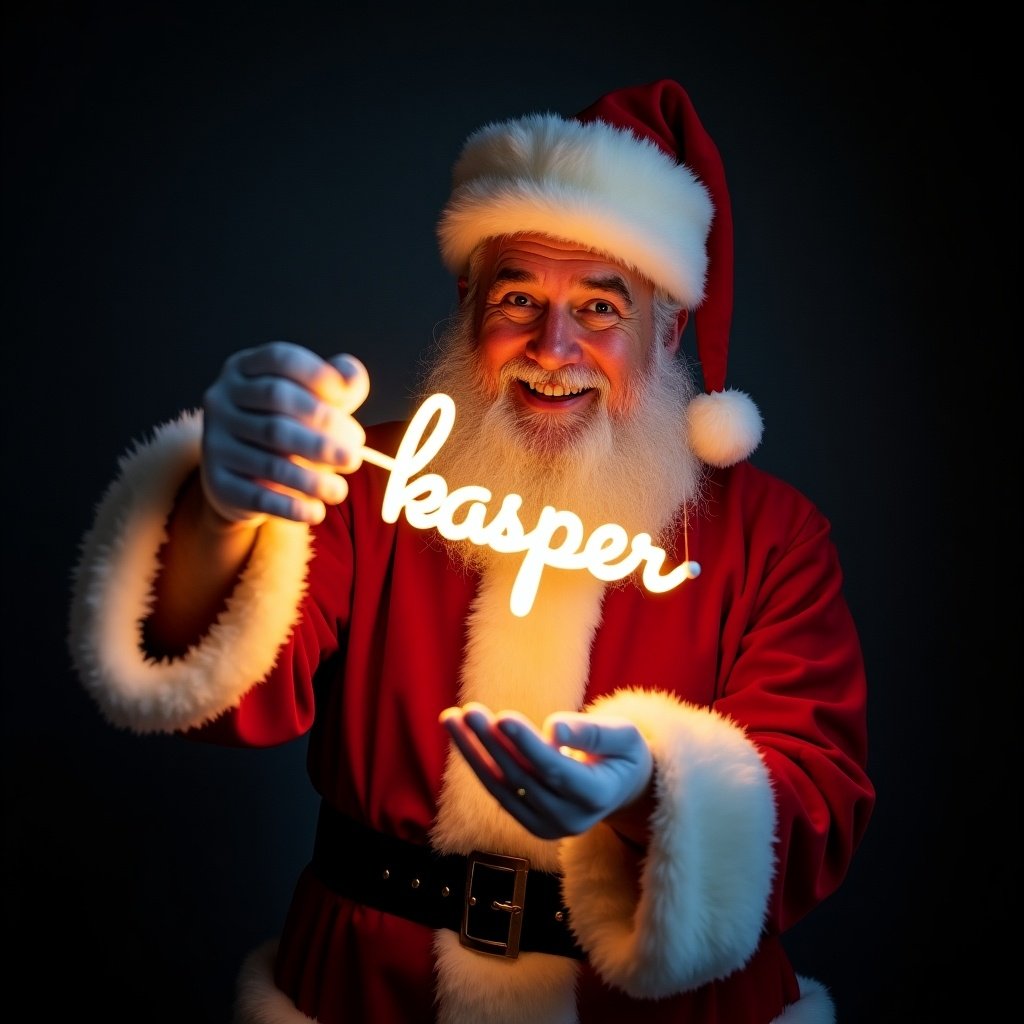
[
  {"x": 278, "y": 429},
  {"x": 561, "y": 779}
]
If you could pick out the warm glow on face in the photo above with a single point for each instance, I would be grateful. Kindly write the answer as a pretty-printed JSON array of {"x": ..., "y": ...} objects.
[{"x": 557, "y": 540}]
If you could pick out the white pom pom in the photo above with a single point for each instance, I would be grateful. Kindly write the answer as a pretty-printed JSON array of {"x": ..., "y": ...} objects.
[{"x": 725, "y": 427}]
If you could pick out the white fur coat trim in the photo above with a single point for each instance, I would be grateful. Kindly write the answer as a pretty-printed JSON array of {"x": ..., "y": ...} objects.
[
  {"x": 536, "y": 664},
  {"x": 112, "y": 594},
  {"x": 473, "y": 988},
  {"x": 707, "y": 874},
  {"x": 259, "y": 1001}
]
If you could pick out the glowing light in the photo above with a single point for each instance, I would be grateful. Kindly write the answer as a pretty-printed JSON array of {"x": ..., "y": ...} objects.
[{"x": 557, "y": 540}]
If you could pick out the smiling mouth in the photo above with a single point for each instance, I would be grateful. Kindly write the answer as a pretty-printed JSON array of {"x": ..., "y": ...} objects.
[{"x": 552, "y": 392}]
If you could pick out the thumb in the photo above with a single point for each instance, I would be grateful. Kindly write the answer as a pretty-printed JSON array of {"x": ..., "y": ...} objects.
[
  {"x": 357, "y": 380},
  {"x": 604, "y": 736}
]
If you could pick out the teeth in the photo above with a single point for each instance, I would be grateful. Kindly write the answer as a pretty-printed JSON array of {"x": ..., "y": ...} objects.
[{"x": 554, "y": 390}]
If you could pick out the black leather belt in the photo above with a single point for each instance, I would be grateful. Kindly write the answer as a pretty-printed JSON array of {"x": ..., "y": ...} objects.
[{"x": 495, "y": 903}]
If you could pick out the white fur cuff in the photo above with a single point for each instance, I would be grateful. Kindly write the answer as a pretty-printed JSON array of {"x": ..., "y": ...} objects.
[
  {"x": 112, "y": 595},
  {"x": 706, "y": 879}
]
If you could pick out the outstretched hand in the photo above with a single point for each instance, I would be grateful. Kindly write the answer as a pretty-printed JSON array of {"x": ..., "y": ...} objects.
[
  {"x": 557, "y": 781},
  {"x": 277, "y": 431}
]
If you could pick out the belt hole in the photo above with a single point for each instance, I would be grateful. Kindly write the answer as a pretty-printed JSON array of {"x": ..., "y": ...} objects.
[
  {"x": 559, "y": 916},
  {"x": 385, "y": 874},
  {"x": 415, "y": 883},
  {"x": 472, "y": 901},
  {"x": 445, "y": 891}
]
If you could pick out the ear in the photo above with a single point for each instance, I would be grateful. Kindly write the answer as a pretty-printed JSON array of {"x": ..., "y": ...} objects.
[
  {"x": 463, "y": 288},
  {"x": 672, "y": 343}
]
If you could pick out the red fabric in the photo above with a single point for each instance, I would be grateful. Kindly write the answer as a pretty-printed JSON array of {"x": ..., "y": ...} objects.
[
  {"x": 763, "y": 636},
  {"x": 663, "y": 113}
]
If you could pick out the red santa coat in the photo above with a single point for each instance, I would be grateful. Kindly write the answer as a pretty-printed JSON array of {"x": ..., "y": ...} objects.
[{"x": 748, "y": 684}]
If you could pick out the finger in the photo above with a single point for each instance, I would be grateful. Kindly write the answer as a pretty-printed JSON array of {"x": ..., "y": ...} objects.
[
  {"x": 493, "y": 758},
  {"x": 612, "y": 746},
  {"x": 521, "y": 797},
  {"x": 602, "y": 736},
  {"x": 582, "y": 785},
  {"x": 540, "y": 752},
  {"x": 469, "y": 745},
  {"x": 266, "y": 393},
  {"x": 343, "y": 386},
  {"x": 235, "y": 394},
  {"x": 557, "y": 784},
  {"x": 512, "y": 758},
  {"x": 339, "y": 446},
  {"x": 288, "y": 474},
  {"x": 355, "y": 381},
  {"x": 289, "y": 361},
  {"x": 230, "y": 495}
]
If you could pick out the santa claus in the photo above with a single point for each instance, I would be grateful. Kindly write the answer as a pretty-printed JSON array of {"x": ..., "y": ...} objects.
[{"x": 578, "y": 798}]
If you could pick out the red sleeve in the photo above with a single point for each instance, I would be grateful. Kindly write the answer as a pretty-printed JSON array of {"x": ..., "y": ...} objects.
[
  {"x": 281, "y": 707},
  {"x": 797, "y": 685}
]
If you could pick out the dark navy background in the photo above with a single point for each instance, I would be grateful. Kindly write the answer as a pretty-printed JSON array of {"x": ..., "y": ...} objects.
[{"x": 180, "y": 181}]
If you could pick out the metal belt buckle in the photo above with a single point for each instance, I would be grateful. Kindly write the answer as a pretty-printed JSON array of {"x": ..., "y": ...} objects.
[{"x": 490, "y": 871}]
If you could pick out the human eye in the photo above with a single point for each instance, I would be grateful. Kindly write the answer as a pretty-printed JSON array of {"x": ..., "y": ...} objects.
[
  {"x": 601, "y": 308},
  {"x": 519, "y": 307}
]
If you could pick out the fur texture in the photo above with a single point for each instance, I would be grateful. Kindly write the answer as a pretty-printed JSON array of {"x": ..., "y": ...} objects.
[
  {"x": 537, "y": 665},
  {"x": 710, "y": 780},
  {"x": 112, "y": 593},
  {"x": 258, "y": 999},
  {"x": 481, "y": 989},
  {"x": 706, "y": 879},
  {"x": 593, "y": 184},
  {"x": 475, "y": 987},
  {"x": 725, "y": 427},
  {"x": 815, "y": 1006}
]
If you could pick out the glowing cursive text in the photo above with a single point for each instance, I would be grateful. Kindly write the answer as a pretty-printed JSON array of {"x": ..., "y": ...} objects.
[{"x": 556, "y": 541}]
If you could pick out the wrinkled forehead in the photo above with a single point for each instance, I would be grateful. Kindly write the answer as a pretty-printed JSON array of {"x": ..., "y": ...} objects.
[{"x": 534, "y": 255}]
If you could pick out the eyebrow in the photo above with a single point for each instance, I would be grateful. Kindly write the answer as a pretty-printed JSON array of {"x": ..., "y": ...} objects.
[
  {"x": 599, "y": 282},
  {"x": 610, "y": 283}
]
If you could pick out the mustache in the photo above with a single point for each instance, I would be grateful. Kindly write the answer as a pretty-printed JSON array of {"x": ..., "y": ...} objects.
[{"x": 573, "y": 377}]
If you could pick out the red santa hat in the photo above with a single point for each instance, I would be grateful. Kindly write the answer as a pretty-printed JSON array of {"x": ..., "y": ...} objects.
[{"x": 635, "y": 176}]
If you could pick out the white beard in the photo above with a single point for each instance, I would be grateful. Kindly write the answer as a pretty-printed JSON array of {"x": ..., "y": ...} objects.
[{"x": 635, "y": 469}]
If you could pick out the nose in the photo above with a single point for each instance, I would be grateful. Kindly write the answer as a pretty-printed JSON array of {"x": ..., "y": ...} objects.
[{"x": 554, "y": 343}]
